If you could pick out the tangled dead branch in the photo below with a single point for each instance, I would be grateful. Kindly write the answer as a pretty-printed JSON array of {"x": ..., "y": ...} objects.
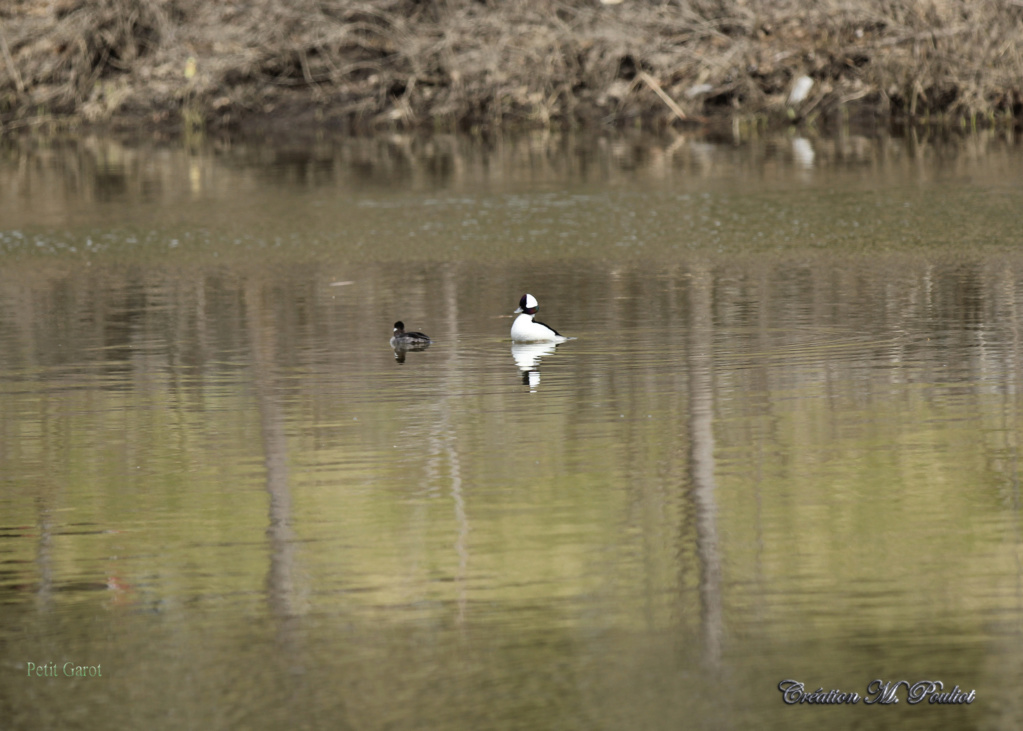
[{"x": 483, "y": 63}]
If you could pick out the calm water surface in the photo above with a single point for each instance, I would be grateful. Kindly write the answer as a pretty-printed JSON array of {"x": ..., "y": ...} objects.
[{"x": 784, "y": 443}]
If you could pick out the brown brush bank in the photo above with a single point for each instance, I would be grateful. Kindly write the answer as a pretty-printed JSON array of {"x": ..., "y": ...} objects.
[{"x": 491, "y": 64}]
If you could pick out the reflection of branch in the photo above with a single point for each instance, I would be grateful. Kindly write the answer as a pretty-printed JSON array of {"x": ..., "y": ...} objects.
[
  {"x": 44, "y": 551},
  {"x": 279, "y": 580},
  {"x": 701, "y": 460},
  {"x": 446, "y": 442},
  {"x": 462, "y": 541}
]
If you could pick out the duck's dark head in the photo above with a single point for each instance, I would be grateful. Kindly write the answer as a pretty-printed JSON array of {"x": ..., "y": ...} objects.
[{"x": 528, "y": 304}]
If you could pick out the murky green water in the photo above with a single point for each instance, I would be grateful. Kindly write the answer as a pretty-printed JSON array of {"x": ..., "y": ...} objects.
[{"x": 783, "y": 445}]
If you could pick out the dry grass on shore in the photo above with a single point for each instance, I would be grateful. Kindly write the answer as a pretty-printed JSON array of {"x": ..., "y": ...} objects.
[{"x": 491, "y": 64}]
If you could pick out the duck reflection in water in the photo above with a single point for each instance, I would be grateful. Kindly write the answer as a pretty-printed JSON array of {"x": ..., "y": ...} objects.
[
  {"x": 527, "y": 357},
  {"x": 403, "y": 342}
]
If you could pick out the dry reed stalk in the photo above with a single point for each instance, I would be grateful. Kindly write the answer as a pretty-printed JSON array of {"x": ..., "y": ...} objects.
[
  {"x": 652, "y": 83},
  {"x": 12, "y": 68}
]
